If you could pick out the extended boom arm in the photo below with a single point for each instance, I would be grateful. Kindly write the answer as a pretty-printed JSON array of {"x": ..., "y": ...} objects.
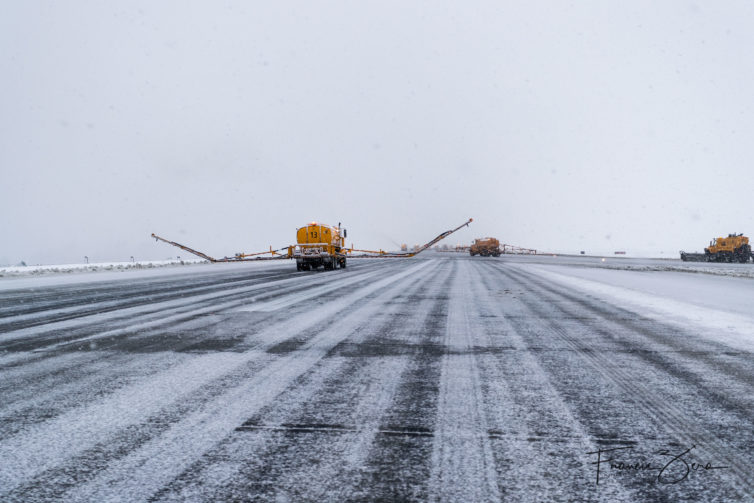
[
  {"x": 380, "y": 253},
  {"x": 241, "y": 257},
  {"x": 276, "y": 255}
]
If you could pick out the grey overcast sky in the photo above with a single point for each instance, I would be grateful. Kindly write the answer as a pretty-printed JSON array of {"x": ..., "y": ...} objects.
[{"x": 591, "y": 125}]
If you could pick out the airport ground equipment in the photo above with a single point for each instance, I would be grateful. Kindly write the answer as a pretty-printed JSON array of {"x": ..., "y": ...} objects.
[
  {"x": 485, "y": 247},
  {"x": 316, "y": 245},
  {"x": 734, "y": 248}
]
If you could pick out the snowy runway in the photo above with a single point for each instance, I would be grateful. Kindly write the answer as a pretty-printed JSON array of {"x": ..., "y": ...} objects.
[{"x": 446, "y": 378}]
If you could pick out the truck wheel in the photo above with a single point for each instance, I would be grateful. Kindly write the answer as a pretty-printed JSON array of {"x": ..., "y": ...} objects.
[{"x": 742, "y": 255}]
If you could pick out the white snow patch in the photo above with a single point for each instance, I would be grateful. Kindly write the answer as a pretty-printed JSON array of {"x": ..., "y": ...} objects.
[
  {"x": 52, "y": 275},
  {"x": 141, "y": 473},
  {"x": 718, "y": 320},
  {"x": 93, "y": 267}
]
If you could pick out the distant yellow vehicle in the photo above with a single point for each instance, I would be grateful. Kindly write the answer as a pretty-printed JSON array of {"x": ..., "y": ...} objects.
[
  {"x": 316, "y": 245},
  {"x": 485, "y": 247},
  {"x": 319, "y": 245},
  {"x": 734, "y": 248}
]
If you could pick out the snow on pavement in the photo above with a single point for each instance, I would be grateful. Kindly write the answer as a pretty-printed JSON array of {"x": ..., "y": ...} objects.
[
  {"x": 720, "y": 307},
  {"x": 441, "y": 378}
]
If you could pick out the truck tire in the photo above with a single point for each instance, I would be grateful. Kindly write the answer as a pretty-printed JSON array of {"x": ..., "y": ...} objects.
[{"x": 743, "y": 253}]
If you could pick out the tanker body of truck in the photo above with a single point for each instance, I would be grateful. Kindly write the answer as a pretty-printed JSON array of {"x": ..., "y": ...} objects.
[
  {"x": 319, "y": 245},
  {"x": 486, "y": 247}
]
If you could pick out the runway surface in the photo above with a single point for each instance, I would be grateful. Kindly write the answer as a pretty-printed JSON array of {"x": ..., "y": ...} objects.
[{"x": 439, "y": 378}]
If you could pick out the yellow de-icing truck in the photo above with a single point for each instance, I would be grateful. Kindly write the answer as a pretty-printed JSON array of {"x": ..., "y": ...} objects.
[
  {"x": 319, "y": 245},
  {"x": 485, "y": 247}
]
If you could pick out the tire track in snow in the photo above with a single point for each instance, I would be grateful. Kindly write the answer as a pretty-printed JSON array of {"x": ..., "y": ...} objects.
[
  {"x": 156, "y": 310},
  {"x": 104, "y": 374},
  {"x": 463, "y": 467},
  {"x": 716, "y": 327},
  {"x": 694, "y": 344},
  {"x": 533, "y": 427},
  {"x": 33, "y": 452},
  {"x": 342, "y": 389},
  {"x": 144, "y": 472},
  {"x": 398, "y": 466},
  {"x": 725, "y": 376},
  {"x": 185, "y": 310},
  {"x": 12, "y": 378},
  {"x": 372, "y": 390},
  {"x": 662, "y": 412},
  {"x": 114, "y": 299},
  {"x": 46, "y": 445}
]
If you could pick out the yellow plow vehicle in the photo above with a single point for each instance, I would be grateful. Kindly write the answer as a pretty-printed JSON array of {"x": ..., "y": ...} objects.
[
  {"x": 734, "y": 248},
  {"x": 316, "y": 245}
]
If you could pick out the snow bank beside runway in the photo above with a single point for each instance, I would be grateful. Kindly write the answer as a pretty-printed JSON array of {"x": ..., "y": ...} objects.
[
  {"x": 53, "y": 275},
  {"x": 638, "y": 264},
  {"x": 37, "y": 270},
  {"x": 719, "y": 308},
  {"x": 715, "y": 269}
]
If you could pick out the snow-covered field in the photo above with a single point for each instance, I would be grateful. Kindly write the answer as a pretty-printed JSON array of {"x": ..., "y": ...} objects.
[
  {"x": 37, "y": 270},
  {"x": 442, "y": 378}
]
